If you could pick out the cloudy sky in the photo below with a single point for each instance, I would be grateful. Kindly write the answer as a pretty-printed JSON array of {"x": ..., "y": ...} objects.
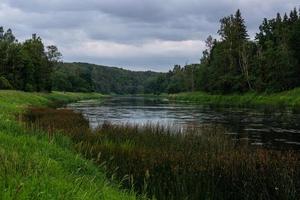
[{"x": 133, "y": 34}]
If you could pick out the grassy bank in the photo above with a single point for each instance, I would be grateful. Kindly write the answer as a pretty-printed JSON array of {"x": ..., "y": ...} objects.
[
  {"x": 12, "y": 102},
  {"x": 166, "y": 164},
  {"x": 36, "y": 166},
  {"x": 288, "y": 98}
]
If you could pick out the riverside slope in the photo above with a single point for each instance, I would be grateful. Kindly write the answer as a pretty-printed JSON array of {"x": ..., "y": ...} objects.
[{"x": 32, "y": 167}]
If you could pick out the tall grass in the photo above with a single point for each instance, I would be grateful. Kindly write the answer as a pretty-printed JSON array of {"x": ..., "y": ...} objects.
[
  {"x": 169, "y": 164},
  {"x": 37, "y": 165}
]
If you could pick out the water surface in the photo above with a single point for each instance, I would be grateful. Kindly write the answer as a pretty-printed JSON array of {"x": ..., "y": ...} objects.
[{"x": 260, "y": 127}]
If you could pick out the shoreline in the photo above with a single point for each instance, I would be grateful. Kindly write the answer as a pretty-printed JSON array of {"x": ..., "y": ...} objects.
[{"x": 289, "y": 98}]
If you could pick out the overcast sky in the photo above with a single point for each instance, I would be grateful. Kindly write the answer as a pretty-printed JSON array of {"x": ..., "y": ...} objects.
[{"x": 133, "y": 34}]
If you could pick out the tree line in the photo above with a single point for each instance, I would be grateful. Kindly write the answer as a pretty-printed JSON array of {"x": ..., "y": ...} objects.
[
  {"x": 85, "y": 77},
  {"x": 235, "y": 64},
  {"x": 28, "y": 65}
]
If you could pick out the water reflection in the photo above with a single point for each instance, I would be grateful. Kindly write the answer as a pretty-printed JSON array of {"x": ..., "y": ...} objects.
[{"x": 260, "y": 127}]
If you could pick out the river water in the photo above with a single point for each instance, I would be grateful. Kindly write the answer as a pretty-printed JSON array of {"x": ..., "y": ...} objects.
[{"x": 270, "y": 128}]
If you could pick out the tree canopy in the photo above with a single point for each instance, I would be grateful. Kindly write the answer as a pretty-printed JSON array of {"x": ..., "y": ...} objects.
[
  {"x": 25, "y": 66},
  {"x": 236, "y": 64}
]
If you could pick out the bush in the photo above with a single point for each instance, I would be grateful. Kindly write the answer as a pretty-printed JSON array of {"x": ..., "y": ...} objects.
[
  {"x": 29, "y": 88},
  {"x": 5, "y": 84}
]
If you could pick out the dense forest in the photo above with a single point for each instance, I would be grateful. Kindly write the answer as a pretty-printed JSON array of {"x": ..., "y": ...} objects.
[
  {"x": 231, "y": 64},
  {"x": 84, "y": 77},
  {"x": 235, "y": 64}
]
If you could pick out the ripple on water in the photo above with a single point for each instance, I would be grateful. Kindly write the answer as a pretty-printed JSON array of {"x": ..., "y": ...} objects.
[{"x": 251, "y": 125}]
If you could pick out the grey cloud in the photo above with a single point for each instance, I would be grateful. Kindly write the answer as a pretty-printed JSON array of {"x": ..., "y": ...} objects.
[{"x": 127, "y": 23}]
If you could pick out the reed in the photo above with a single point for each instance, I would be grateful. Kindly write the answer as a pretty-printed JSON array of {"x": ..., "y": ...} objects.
[{"x": 166, "y": 163}]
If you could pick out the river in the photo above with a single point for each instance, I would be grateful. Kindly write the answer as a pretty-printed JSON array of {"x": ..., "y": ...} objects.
[{"x": 270, "y": 128}]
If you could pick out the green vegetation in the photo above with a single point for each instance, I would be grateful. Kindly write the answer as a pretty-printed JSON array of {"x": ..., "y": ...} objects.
[
  {"x": 167, "y": 164},
  {"x": 35, "y": 166},
  {"x": 12, "y": 102},
  {"x": 26, "y": 66},
  {"x": 289, "y": 98},
  {"x": 84, "y": 77},
  {"x": 236, "y": 64}
]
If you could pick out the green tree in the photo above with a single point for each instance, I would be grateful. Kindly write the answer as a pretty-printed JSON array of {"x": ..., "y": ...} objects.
[
  {"x": 227, "y": 61},
  {"x": 37, "y": 65}
]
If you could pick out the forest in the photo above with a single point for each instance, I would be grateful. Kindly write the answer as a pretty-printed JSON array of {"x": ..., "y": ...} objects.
[
  {"x": 85, "y": 77},
  {"x": 232, "y": 63},
  {"x": 235, "y": 64}
]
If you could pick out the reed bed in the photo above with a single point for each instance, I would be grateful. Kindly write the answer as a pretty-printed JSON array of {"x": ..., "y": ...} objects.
[
  {"x": 165, "y": 163},
  {"x": 54, "y": 121}
]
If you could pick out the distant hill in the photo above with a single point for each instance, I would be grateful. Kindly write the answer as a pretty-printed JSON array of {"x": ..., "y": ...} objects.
[{"x": 85, "y": 77}]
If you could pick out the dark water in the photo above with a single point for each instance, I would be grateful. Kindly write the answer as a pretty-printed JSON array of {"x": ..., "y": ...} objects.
[{"x": 269, "y": 128}]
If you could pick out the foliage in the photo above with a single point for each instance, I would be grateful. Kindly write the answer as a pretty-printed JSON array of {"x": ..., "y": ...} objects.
[
  {"x": 236, "y": 64},
  {"x": 84, "y": 77},
  {"x": 26, "y": 66},
  {"x": 179, "y": 79},
  {"x": 4, "y": 83}
]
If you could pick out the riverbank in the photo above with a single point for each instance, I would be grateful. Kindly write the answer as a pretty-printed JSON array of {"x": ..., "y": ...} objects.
[
  {"x": 170, "y": 163},
  {"x": 289, "y": 98},
  {"x": 34, "y": 166}
]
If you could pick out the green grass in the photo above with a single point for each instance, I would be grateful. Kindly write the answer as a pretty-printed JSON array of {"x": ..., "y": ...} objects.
[
  {"x": 15, "y": 101},
  {"x": 288, "y": 98},
  {"x": 34, "y": 166}
]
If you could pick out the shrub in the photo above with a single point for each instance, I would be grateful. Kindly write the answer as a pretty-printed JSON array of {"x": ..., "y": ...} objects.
[
  {"x": 5, "y": 84},
  {"x": 29, "y": 88}
]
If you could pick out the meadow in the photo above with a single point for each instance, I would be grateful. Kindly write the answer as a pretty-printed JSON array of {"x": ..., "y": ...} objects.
[
  {"x": 165, "y": 163},
  {"x": 35, "y": 166}
]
